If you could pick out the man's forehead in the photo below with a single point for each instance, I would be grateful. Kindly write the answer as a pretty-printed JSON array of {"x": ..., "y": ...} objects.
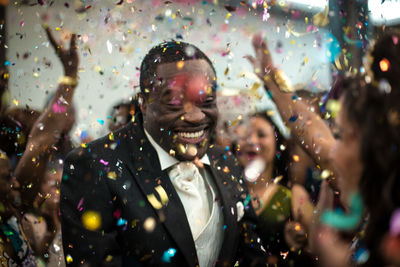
[{"x": 185, "y": 67}]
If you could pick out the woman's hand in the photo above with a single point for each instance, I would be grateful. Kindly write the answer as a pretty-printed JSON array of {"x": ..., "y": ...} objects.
[
  {"x": 69, "y": 57},
  {"x": 262, "y": 62}
]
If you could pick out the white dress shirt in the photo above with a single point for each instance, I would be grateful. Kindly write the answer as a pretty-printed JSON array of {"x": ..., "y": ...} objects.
[{"x": 208, "y": 237}]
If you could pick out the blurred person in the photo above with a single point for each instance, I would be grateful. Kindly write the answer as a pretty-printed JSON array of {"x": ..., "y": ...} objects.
[
  {"x": 22, "y": 201},
  {"x": 363, "y": 158},
  {"x": 121, "y": 114},
  {"x": 265, "y": 154}
]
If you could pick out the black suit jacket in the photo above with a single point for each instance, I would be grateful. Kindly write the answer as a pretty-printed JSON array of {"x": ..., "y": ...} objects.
[{"x": 114, "y": 176}]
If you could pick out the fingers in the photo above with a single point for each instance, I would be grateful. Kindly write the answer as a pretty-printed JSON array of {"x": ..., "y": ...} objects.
[
  {"x": 257, "y": 40},
  {"x": 72, "y": 45},
  {"x": 50, "y": 36},
  {"x": 251, "y": 59}
]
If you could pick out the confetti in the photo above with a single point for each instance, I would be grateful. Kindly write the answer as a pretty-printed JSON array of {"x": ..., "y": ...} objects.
[
  {"x": 149, "y": 224},
  {"x": 109, "y": 47},
  {"x": 69, "y": 259},
  {"x": 384, "y": 65},
  {"x": 345, "y": 221},
  {"x": 91, "y": 220},
  {"x": 112, "y": 175},
  {"x": 168, "y": 254}
]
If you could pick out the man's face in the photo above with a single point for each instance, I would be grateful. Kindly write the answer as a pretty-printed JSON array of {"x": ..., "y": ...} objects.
[{"x": 181, "y": 112}]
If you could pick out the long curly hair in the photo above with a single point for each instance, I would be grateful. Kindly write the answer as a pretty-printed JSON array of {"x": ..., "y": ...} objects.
[{"x": 376, "y": 112}]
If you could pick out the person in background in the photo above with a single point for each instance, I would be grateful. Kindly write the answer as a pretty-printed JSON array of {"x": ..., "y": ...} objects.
[
  {"x": 121, "y": 114},
  {"x": 363, "y": 157},
  {"x": 24, "y": 192},
  {"x": 265, "y": 154}
]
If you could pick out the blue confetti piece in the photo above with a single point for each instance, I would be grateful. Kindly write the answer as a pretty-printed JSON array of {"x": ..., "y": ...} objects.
[
  {"x": 293, "y": 118},
  {"x": 121, "y": 222},
  {"x": 168, "y": 254},
  {"x": 84, "y": 134},
  {"x": 6, "y": 63},
  {"x": 345, "y": 221},
  {"x": 100, "y": 121}
]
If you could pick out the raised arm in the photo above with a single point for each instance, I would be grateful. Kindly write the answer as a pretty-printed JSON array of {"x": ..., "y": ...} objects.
[
  {"x": 48, "y": 128},
  {"x": 307, "y": 128}
]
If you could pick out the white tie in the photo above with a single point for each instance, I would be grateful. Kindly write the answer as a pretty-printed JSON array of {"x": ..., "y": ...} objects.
[{"x": 190, "y": 186}]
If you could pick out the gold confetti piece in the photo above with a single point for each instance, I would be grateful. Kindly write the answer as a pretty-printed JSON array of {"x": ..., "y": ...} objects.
[
  {"x": 228, "y": 15},
  {"x": 109, "y": 258},
  {"x": 134, "y": 222},
  {"x": 325, "y": 174},
  {"x": 233, "y": 123},
  {"x": 321, "y": 18},
  {"x": 181, "y": 148},
  {"x": 69, "y": 259},
  {"x": 16, "y": 102},
  {"x": 305, "y": 61},
  {"x": 226, "y": 169},
  {"x": 180, "y": 64},
  {"x": 226, "y": 71},
  {"x": 112, "y": 175},
  {"x": 333, "y": 106},
  {"x": 255, "y": 86},
  {"x": 296, "y": 158},
  {"x": 111, "y": 136},
  {"x": 154, "y": 201},
  {"x": 283, "y": 81},
  {"x": 57, "y": 28},
  {"x": 35, "y": 74},
  {"x": 163, "y": 195},
  {"x": 191, "y": 150},
  {"x": 149, "y": 224},
  {"x": 270, "y": 113},
  {"x": 91, "y": 220},
  {"x": 384, "y": 65},
  {"x": 172, "y": 152},
  {"x": 278, "y": 179},
  {"x": 84, "y": 145}
]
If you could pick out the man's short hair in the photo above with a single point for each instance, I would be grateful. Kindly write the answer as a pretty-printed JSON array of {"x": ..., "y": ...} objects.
[{"x": 166, "y": 52}]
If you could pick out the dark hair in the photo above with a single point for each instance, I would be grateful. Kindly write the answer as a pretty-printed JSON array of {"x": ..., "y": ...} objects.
[
  {"x": 282, "y": 149},
  {"x": 377, "y": 115},
  {"x": 166, "y": 52},
  {"x": 387, "y": 47}
]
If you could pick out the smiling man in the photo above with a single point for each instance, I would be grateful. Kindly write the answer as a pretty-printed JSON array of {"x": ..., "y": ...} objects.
[{"x": 157, "y": 192}]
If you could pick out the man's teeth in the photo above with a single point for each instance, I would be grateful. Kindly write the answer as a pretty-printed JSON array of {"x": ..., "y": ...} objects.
[{"x": 191, "y": 134}]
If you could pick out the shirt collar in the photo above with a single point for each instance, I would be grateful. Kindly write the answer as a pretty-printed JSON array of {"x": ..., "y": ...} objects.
[{"x": 166, "y": 160}]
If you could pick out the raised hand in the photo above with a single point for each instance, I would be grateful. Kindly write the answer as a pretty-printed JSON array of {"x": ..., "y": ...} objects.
[
  {"x": 262, "y": 62},
  {"x": 69, "y": 57}
]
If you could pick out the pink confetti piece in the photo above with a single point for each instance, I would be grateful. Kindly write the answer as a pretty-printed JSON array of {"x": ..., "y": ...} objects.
[
  {"x": 58, "y": 108},
  {"x": 79, "y": 207},
  {"x": 104, "y": 162}
]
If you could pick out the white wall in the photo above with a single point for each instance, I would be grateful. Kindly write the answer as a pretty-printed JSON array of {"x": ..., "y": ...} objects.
[{"x": 132, "y": 29}]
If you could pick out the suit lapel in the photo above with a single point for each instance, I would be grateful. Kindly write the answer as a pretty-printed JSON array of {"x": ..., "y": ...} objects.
[
  {"x": 155, "y": 185},
  {"x": 226, "y": 194}
]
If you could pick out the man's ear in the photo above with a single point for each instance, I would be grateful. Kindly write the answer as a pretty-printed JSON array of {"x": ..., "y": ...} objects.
[{"x": 142, "y": 103}]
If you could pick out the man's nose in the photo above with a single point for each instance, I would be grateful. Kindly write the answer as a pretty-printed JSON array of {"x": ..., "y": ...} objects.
[{"x": 193, "y": 113}]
